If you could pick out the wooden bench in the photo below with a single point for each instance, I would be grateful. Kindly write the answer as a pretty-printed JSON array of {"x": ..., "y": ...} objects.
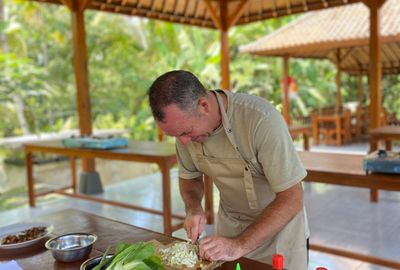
[{"x": 346, "y": 170}]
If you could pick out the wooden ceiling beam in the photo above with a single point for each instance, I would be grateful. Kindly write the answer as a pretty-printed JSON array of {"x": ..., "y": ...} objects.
[
  {"x": 237, "y": 13},
  {"x": 213, "y": 14},
  {"x": 196, "y": 6},
  {"x": 279, "y": 12},
  {"x": 288, "y": 7},
  {"x": 68, "y": 3},
  {"x": 368, "y": 3},
  {"x": 273, "y": 11},
  {"x": 83, "y": 4},
  {"x": 305, "y": 7},
  {"x": 347, "y": 53},
  {"x": 128, "y": 9}
]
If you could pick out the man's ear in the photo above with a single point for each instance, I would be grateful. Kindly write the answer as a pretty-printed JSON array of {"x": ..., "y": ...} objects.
[{"x": 204, "y": 105}]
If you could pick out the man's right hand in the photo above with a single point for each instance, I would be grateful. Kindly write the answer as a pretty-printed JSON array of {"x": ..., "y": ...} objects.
[{"x": 194, "y": 224}]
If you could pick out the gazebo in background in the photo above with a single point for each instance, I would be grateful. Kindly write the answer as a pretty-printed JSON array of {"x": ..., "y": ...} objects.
[
  {"x": 341, "y": 35},
  {"x": 218, "y": 14}
]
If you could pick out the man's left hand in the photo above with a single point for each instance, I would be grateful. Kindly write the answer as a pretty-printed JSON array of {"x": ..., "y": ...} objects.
[{"x": 216, "y": 248}]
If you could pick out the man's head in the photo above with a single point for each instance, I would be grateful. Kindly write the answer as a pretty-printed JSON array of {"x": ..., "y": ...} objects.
[
  {"x": 177, "y": 87},
  {"x": 180, "y": 106}
]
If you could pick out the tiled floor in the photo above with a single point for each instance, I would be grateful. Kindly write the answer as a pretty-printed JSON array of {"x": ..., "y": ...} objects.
[{"x": 339, "y": 217}]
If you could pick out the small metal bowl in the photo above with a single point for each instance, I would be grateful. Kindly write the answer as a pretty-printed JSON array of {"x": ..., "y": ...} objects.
[
  {"x": 71, "y": 247},
  {"x": 91, "y": 263}
]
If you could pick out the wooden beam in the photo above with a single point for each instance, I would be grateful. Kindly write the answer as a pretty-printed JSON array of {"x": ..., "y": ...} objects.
[
  {"x": 213, "y": 14},
  {"x": 273, "y": 9},
  {"x": 83, "y": 4},
  {"x": 338, "y": 79},
  {"x": 370, "y": 3},
  {"x": 347, "y": 53},
  {"x": 305, "y": 5},
  {"x": 68, "y": 3},
  {"x": 288, "y": 7},
  {"x": 360, "y": 91},
  {"x": 375, "y": 72},
  {"x": 225, "y": 52},
  {"x": 285, "y": 85},
  {"x": 81, "y": 77},
  {"x": 237, "y": 13}
]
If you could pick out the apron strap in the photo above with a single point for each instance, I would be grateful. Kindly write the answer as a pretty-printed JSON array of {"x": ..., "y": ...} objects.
[{"x": 248, "y": 179}]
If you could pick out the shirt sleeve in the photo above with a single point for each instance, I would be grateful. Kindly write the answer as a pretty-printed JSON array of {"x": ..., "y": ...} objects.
[
  {"x": 186, "y": 165},
  {"x": 277, "y": 153}
]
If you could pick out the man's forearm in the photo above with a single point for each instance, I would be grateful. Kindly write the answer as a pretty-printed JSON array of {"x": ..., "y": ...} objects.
[
  {"x": 273, "y": 218},
  {"x": 192, "y": 193}
]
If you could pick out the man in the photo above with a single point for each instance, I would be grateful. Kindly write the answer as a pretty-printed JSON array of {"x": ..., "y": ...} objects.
[{"x": 243, "y": 144}]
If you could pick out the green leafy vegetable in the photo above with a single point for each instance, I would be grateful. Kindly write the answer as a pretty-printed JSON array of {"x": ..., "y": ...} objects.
[{"x": 138, "y": 256}]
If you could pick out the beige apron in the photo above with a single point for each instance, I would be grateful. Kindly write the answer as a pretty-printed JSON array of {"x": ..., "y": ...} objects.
[{"x": 243, "y": 196}]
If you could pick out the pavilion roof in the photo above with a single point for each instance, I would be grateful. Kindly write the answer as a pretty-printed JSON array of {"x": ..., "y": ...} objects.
[
  {"x": 320, "y": 34},
  {"x": 198, "y": 12}
]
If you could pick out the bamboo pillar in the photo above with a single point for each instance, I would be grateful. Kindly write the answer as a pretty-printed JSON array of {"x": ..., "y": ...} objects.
[
  {"x": 224, "y": 32},
  {"x": 338, "y": 80},
  {"x": 81, "y": 76},
  {"x": 285, "y": 86}
]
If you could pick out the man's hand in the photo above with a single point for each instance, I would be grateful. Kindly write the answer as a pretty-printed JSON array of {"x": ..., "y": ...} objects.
[
  {"x": 195, "y": 222},
  {"x": 216, "y": 248}
]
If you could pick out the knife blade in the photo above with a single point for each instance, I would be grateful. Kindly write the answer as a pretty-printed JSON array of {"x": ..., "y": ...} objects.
[{"x": 197, "y": 246}]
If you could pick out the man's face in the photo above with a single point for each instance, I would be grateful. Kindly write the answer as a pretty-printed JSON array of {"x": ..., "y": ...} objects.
[{"x": 186, "y": 126}]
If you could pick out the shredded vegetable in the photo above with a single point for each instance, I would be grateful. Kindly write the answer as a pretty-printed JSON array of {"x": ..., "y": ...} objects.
[{"x": 180, "y": 254}]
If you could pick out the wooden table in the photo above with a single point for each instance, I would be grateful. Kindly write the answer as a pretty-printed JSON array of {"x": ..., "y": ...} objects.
[
  {"x": 386, "y": 133},
  {"x": 346, "y": 170},
  {"x": 163, "y": 154},
  {"x": 109, "y": 232}
]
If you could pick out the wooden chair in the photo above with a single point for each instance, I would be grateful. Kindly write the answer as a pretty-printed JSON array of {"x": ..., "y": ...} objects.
[
  {"x": 361, "y": 126},
  {"x": 301, "y": 126},
  {"x": 332, "y": 125}
]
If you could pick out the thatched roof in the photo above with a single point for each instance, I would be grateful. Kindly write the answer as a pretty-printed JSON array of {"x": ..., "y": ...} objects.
[
  {"x": 197, "y": 12},
  {"x": 320, "y": 34}
]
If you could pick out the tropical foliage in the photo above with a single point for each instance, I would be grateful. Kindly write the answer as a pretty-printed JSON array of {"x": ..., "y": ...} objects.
[{"x": 37, "y": 90}]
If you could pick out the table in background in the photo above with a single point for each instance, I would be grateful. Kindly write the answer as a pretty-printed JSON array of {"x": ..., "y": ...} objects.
[
  {"x": 386, "y": 133},
  {"x": 109, "y": 232},
  {"x": 346, "y": 170},
  {"x": 163, "y": 154}
]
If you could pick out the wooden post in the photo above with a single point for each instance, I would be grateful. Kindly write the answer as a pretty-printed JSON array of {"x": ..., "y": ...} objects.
[
  {"x": 81, "y": 76},
  {"x": 224, "y": 32},
  {"x": 375, "y": 72},
  {"x": 285, "y": 89},
  {"x": 375, "y": 75},
  {"x": 338, "y": 80},
  {"x": 360, "y": 91}
]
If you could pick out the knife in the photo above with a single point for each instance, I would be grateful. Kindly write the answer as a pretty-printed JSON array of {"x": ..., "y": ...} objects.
[{"x": 197, "y": 246}]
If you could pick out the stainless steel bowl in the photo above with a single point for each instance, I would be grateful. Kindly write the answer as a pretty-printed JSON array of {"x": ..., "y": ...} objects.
[
  {"x": 91, "y": 263},
  {"x": 71, "y": 247}
]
